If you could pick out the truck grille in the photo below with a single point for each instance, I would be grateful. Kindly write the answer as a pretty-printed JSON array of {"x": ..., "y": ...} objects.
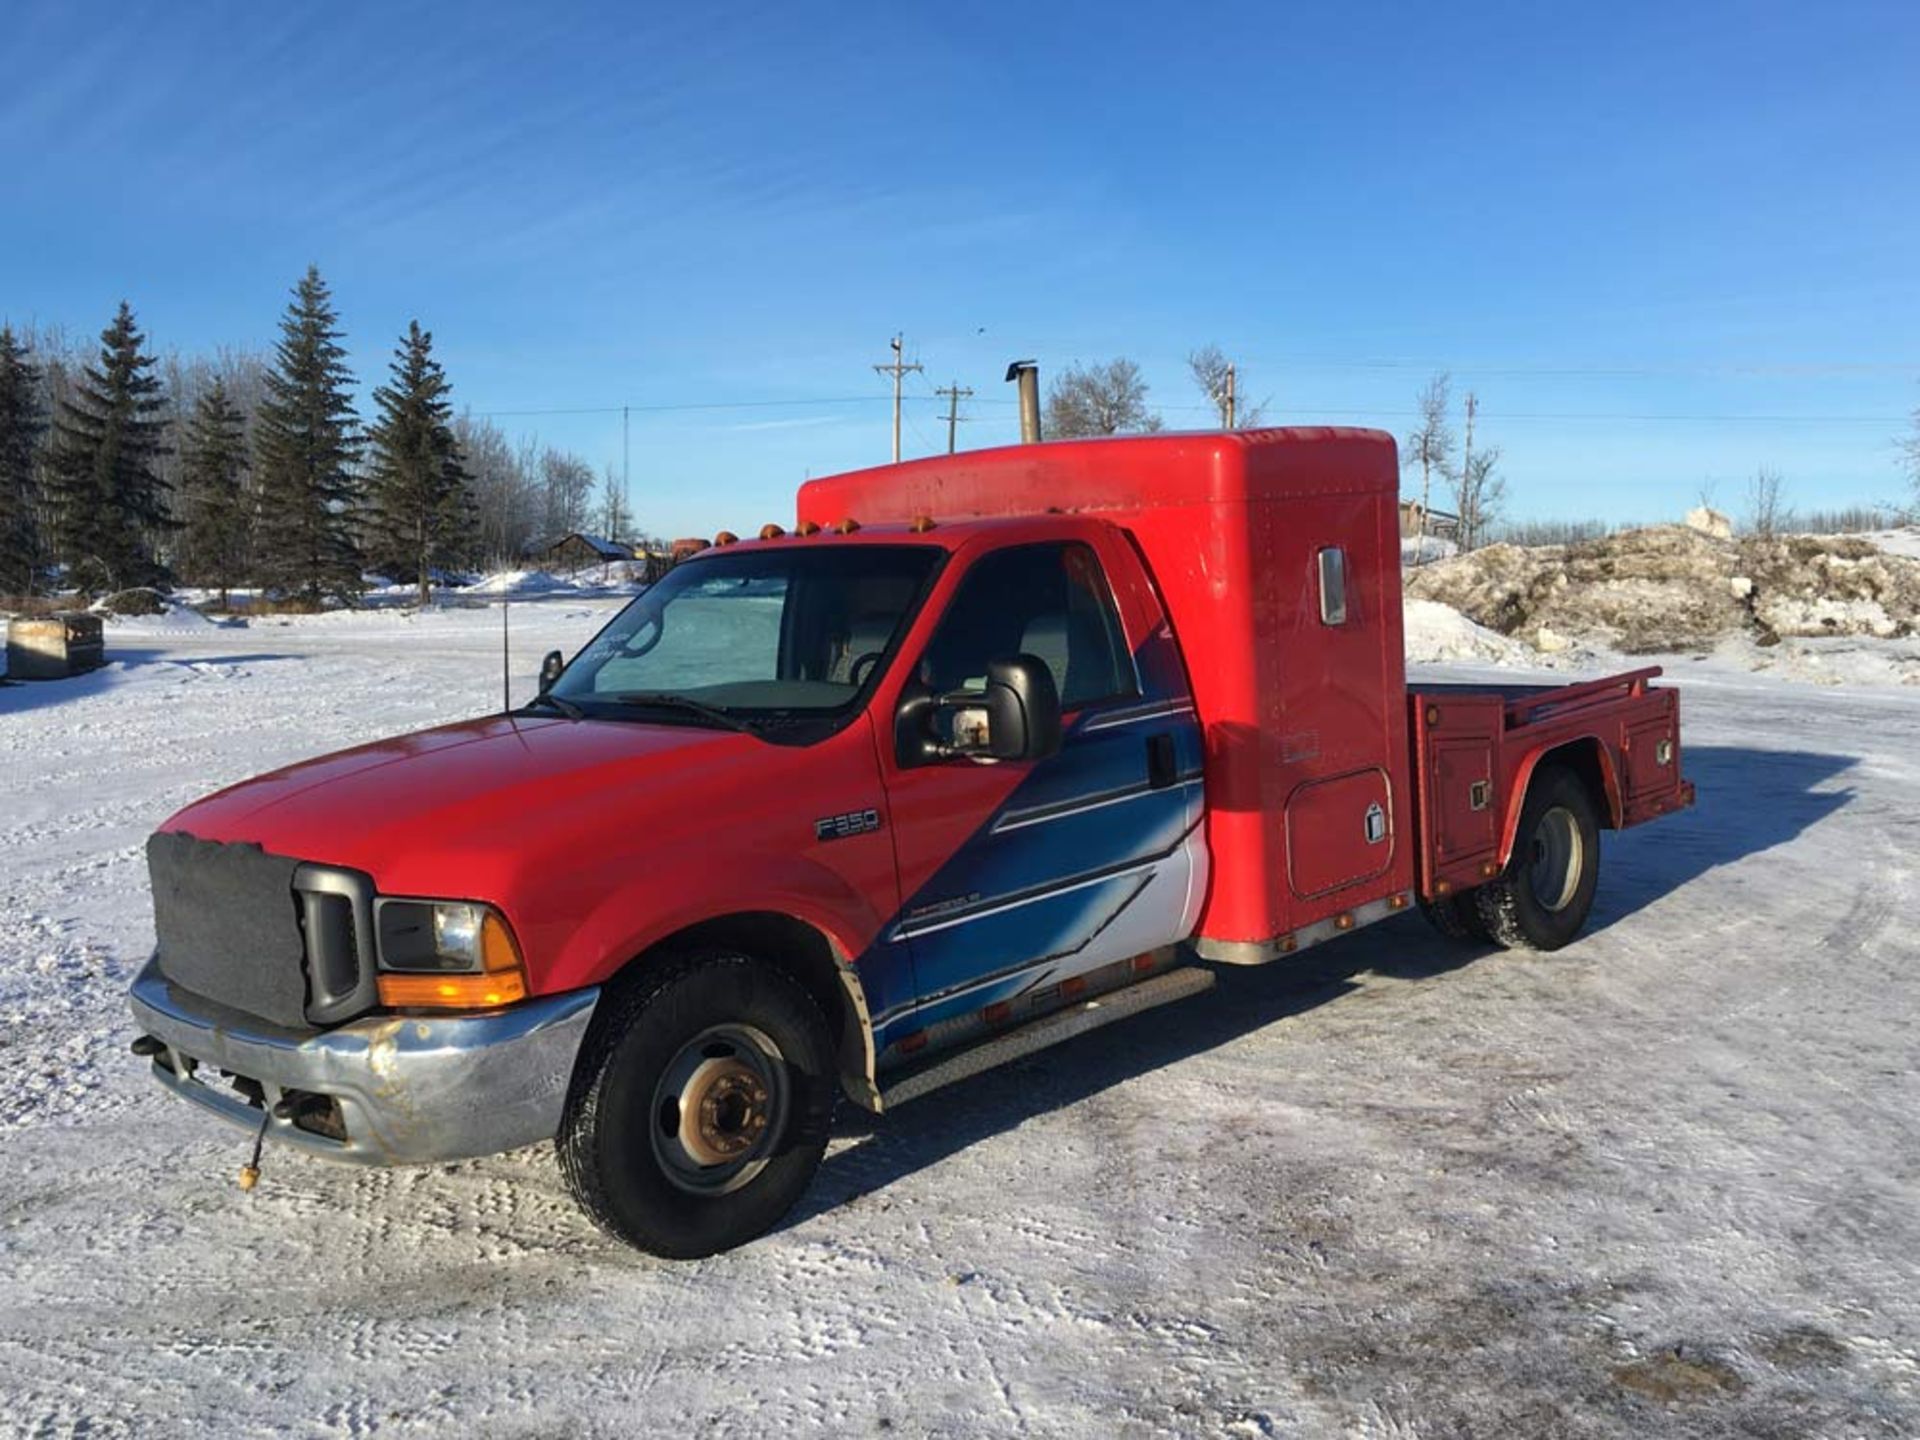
[{"x": 263, "y": 933}]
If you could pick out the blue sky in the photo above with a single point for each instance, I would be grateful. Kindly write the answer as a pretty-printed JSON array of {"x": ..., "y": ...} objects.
[{"x": 1599, "y": 218}]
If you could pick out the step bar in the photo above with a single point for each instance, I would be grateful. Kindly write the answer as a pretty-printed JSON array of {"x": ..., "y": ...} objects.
[{"x": 1104, "y": 1009}]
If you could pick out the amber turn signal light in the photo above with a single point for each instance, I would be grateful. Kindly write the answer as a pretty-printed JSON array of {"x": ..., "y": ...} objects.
[{"x": 501, "y": 979}]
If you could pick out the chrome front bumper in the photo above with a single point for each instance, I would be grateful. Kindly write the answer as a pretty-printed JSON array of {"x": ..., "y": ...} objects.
[{"x": 409, "y": 1089}]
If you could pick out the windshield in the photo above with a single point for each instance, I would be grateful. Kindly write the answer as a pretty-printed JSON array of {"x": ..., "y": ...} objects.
[{"x": 752, "y": 638}]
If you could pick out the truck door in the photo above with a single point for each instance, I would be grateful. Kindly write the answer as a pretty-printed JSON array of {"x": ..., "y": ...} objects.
[{"x": 1018, "y": 876}]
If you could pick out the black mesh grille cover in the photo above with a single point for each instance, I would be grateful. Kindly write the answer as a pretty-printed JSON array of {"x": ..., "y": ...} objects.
[{"x": 228, "y": 926}]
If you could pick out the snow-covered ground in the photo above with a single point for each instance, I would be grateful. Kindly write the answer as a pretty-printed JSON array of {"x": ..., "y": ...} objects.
[
  {"x": 1902, "y": 540},
  {"x": 1666, "y": 1181}
]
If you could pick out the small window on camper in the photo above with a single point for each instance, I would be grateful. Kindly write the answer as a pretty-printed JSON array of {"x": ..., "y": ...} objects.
[{"x": 1333, "y": 586}]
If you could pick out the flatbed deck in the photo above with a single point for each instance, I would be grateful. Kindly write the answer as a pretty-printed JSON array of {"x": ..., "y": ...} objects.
[{"x": 1476, "y": 747}]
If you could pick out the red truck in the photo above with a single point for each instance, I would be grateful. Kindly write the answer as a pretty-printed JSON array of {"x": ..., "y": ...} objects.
[{"x": 984, "y": 752}]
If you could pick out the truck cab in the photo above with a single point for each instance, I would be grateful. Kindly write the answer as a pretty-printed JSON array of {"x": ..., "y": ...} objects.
[{"x": 982, "y": 752}]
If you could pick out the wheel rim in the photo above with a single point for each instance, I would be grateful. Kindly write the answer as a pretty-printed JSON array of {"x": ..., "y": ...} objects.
[
  {"x": 718, "y": 1109},
  {"x": 1559, "y": 859}
]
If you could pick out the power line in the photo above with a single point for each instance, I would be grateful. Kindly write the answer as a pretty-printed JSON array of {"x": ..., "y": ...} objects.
[
  {"x": 669, "y": 409},
  {"x": 1700, "y": 416},
  {"x": 1703, "y": 417},
  {"x": 1508, "y": 370}
]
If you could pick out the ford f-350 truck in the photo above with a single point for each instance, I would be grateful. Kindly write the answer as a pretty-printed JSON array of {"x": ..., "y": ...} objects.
[{"x": 986, "y": 751}]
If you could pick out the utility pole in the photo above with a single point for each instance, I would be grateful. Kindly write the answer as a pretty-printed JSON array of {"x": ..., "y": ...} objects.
[
  {"x": 626, "y": 466},
  {"x": 1230, "y": 402},
  {"x": 896, "y": 368},
  {"x": 953, "y": 392},
  {"x": 1466, "y": 522}
]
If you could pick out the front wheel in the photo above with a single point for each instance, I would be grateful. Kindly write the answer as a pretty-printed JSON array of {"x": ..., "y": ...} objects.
[
  {"x": 1542, "y": 899},
  {"x": 700, "y": 1104}
]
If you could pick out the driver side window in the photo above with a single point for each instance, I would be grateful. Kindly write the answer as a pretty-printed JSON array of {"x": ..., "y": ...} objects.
[{"x": 1050, "y": 601}]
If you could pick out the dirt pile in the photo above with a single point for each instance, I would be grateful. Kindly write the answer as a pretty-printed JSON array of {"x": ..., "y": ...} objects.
[{"x": 1673, "y": 588}]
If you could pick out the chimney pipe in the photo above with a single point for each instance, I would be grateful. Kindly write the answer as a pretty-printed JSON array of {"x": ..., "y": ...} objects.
[{"x": 1028, "y": 374}]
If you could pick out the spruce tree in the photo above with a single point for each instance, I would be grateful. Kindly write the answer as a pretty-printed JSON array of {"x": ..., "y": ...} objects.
[
  {"x": 304, "y": 451},
  {"x": 421, "y": 506},
  {"x": 105, "y": 493},
  {"x": 213, "y": 481},
  {"x": 21, "y": 425}
]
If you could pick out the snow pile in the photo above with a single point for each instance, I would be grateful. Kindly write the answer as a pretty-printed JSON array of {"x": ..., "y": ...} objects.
[
  {"x": 1816, "y": 586},
  {"x": 1675, "y": 588},
  {"x": 518, "y": 582},
  {"x": 173, "y": 618},
  {"x": 1415, "y": 550},
  {"x": 1437, "y": 633},
  {"x": 617, "y": 577},
  {"x": 1709, "y": 521},
  {"x": 1902, "y": 540}
]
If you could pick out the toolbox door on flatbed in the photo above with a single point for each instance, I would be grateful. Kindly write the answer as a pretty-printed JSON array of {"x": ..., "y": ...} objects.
[{"x": 1458, "y": 746}]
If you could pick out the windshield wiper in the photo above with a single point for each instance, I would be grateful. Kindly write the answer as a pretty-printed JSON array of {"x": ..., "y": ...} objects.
[
  {"x": 666, "y": 700},
  {"x": 565, "y": 707}
]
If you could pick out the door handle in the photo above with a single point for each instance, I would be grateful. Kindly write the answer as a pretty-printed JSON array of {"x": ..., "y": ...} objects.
[{"x": 1162, "y": 764}]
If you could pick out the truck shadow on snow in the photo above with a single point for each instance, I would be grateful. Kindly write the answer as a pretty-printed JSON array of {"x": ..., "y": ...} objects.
[
  {"x": 1750, "y": 801},
  {"x": 1245, "y": 1000}
]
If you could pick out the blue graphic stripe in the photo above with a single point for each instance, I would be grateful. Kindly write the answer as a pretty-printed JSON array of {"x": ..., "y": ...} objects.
[{"x": 1061, "y": 858}]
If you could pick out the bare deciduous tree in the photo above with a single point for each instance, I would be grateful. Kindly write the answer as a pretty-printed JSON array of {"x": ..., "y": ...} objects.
[
  {"x": 568, "y": 483},
  {"x": 1478, "y": 493},
  {"x": 1430, "y": 444},
  {"x": 1910, "y": 454},
  {"x": 613, "y": 505},
  {"x": 506, "y": 503},
  {"x": 1109, "y": 399},
  {"x": 1765, "y": 508},
  {"x": 1215, "y": 376}
]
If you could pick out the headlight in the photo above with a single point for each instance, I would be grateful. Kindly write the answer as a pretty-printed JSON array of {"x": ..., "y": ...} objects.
[
  {"x": 456, "y": 933},
  {"x": 446, "y": 954}
]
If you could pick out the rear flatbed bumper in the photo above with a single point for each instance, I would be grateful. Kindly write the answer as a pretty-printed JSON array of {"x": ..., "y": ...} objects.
[{"x": 408, "y": 1089}]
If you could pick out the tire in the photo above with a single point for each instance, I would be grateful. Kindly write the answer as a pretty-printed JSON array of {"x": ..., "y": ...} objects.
[
  {"x": 1542, "y": 899},
  {"x": 1457, "y": 917},
  {"x": 700, "y": 1104}
]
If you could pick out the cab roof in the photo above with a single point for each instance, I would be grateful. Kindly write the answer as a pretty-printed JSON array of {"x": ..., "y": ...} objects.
[{"x": 941, "y": 535}]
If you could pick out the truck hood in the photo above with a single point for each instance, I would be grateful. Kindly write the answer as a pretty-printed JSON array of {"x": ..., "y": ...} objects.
[{"x": 476, "y": 792}]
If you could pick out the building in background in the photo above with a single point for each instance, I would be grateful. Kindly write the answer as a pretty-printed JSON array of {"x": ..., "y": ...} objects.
[{"x": 570, "y": 553}]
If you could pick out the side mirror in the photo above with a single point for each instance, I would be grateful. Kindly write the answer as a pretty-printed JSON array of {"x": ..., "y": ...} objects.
[
  {"x": 1015, "y": 717},
  {"x": 550, "y": 669}
]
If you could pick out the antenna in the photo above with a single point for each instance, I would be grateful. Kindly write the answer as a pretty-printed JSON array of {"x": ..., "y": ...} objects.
[{"x": 506, "y": 666}]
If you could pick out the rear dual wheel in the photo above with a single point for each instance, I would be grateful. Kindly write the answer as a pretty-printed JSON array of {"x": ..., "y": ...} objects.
[
  {"x": 1457, "y": 917},
  {"x": 1543, "y": 897}
]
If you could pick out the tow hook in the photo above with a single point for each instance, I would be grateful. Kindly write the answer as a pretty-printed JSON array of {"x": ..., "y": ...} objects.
[{"x": 250, "y": 1172}]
